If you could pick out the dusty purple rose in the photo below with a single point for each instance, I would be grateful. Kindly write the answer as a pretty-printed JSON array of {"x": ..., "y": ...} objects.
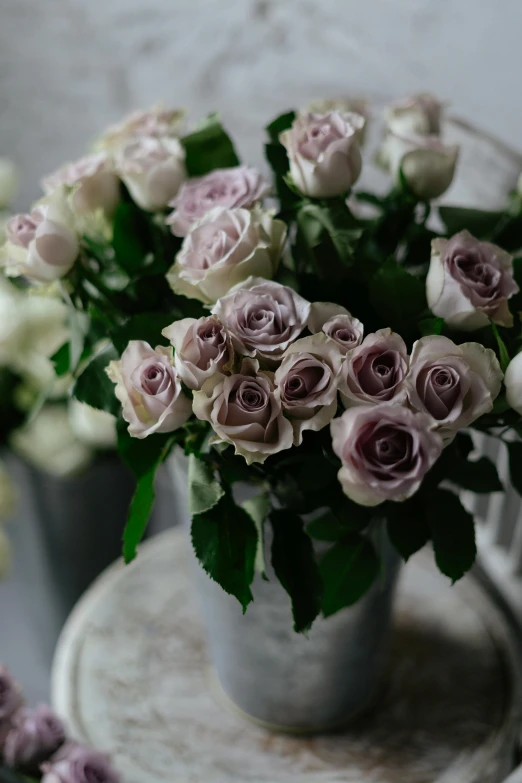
[
  {"x": 375, "y": 371},
  {"x": 77, "y": 764},
  {"x": 263, "y": 317},
  {"x": 34, "y": 736},
  {"x": 469, "y": 282},
  {"x": 337, "y": 323},
  {"x": 385, "y": 452},
  {"x": 454, "y": 384},
  {"x": 10, "y": 701},
  {"x": 201, "y": 348},
  {"x": 307, "y": 380},
  {"x": 149, "y": 389},
  {"x": 245, "y": 410},
  {"x": 239, "y": 186}
]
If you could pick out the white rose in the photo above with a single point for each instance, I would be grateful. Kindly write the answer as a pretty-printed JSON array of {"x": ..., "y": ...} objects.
[
  {"x": 92, "y": 182},
  {"x": 93, "y": 427},
  {"x": 223, "y": 249},
  {"x": 418, "y": 114},
  {"x": 8, "y": 182},
  {"x": 153, "y": 170},
  {"x": 426, "y": 164},
  {"x": 513, "y": 382}
]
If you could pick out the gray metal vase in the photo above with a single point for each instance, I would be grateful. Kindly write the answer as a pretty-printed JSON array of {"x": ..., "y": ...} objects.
[{"x": 289, "y": 681}]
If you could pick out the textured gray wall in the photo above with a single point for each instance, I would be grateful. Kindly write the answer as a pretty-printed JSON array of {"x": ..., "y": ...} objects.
[{"x": 69, "y": 67}]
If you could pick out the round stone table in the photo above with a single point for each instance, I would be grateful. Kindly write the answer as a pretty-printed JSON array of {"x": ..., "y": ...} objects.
[{"x": 131, "y": 677}]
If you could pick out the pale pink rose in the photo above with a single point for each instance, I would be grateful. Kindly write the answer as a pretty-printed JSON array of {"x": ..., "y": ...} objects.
[
  {"x": 149, "y": 389},
  {"x": 454, "y": 384},
  {"x": 95, "y": 184},
  {"x": 418, "y": 114},
  {"x": 424, "y": 162},
  {"x": 157, "y": 122},
  {"x": 375, "y": 371},
  {"x": 224, "y": 248},
  {"x": 469, "y": 282},
  {"x": 307, "y": 381},
  {"x": 513, "y": 382},
  {"x": 263, "y": 317},
  {"x": 324, "y": 153},
  {"x": 77, "y": 764},
  {"x": 42, "y": 245},
  {"x": 10, "y": 701},
  {"x": 245, "y": 411},
  {"x": 385, "y": 452},
  {"x": 337, "y": 323},
  {"x": 239, "y": 186},
  {"x": 152, "y": 169},
  {"x": 34, "y": 736},
  {"x": 202, "y": 348}
]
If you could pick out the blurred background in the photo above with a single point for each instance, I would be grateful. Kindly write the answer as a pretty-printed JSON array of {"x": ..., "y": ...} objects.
[{"x": 68, "y": 68}]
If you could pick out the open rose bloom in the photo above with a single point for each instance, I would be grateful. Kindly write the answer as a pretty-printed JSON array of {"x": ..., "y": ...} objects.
[{"x": 339, "y": 364}]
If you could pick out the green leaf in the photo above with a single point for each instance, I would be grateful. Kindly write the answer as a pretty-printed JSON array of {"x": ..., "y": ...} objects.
[
  {"x": 225, "y": 543},
  {"x": 407, "y": 527},
  {"x": 60, "y": 359},
  {"x": 131, "y": 237},
  {"x": 138, "y": 454},
  {"x": 139, "y": 513},
  {"x": 208, "y": 148},
  {"x": 348, "y": 570},
  {"x": 258, "y": 509},
  {"x": 502, "y": 350},
  {"x": 452, "y": 532},
  {"x": 280, "y": 124},
  {"x": 515, "y": 464},
  {"x": 478, "y": 476},
  {"x": 336, "y": 221},
  {"x": 204, "y": 489},
  {"x": 478, "y": 222},
  {"x": 294, "y": 563},
  {"x": 431, "y": 326},
  {"x": 326, "y": 528},
  {"x": 94, "y": 386},
  {"x": 145, "y": 326},
  {"x": 397, "y": 296}
]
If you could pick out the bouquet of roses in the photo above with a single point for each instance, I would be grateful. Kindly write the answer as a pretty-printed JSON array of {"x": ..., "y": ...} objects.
[{"x": 329, "y": 346}]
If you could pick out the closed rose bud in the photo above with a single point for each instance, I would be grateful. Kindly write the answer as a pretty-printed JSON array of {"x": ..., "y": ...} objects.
[
  {"x": 41, "y": 246},
  {"x": 93, "y": 183},
  {"x": 202, "y": 348},
  {"x": 469, "y": 282},
  {"x": 513, "y": 382},
  {"x": 374, "y": 372},
  {"x": 149, "y": 389},
  {"x": 423, "y": 162},
  {"x": 77, "y": 764},
  {"x": 337, "y": 323},
  {"x": 419, "y": 114},
  {"x": 152, "y": 169},
  {"x": 34, "y": 736},
  {"x": 385, "y": 451},
  {"x": 324, "y": 153},
  {"x": 8, "y": 182}
]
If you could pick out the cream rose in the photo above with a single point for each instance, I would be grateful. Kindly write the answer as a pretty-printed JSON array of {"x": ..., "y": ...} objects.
[
  {"x": 375, "y": 371},
  {"x": 149, "y": 389},
  {"x": 385, "y": 452},
  {"x": 425, "y": 162},
  {"x": 152, "y": 169},
  {"x": 245, "y": 411},
  {"x": 92, "y": 182},
  {"x": 324, "y": 153},
  {"x": 419, "y": 114},
  {"x": 307, "y": 381},
  {"x": 223, "y": 249},
  {"x": 454, "y": 384},
  {"x": 469, "y": 282},
  {"x": 513, "y": 382},
  {"x": 157, "y": 122},
  {"x": 93, "y": 427},
  {"x": 337, "y": 323},
  {"x": 202, "y": 348}
]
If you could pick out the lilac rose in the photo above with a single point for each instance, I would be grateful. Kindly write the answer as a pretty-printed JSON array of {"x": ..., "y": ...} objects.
[
  {"x": 375, "y": 371},
  {"x": 202, "y": 348},
  {"x": 238, "y": 186},
  {"x": 470, "y": 282},
  {"x": 78, "y": 764},
  {"x": 454, "y": 384},
  {"x": 149, "y": 389},
  {"x": 337, "y": 323},
  {"x": 385, "y": 452},
  {"x": 263, "y": 317},
  {"x": 245, "y": 411},
  {"x": 34, "y": 736}
]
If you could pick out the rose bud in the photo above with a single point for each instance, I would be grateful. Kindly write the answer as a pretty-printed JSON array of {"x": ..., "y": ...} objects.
[
  {"x": 469, "y": 282},
  {"x": 8, "y": 182},
  {"x": 77, "y": 764},
  {"x": 34, "y": 736},
  {"x": 10, "y": 702},
  {"x": 324, "y": 153},
  {"x": 423, "y": 162},
  {"x": 245, "y": 410},
  {"x": 454, "y": 384},
  {"x": 417, "y": 114},
  {"x": 385, "y": 452},
  {"x": 149, "y": 389},
  {"x": 375, "y": 371},
  {"x": 224, "y": 248},
  {"x": 202, "y": 348},
  {"x": 157, "y": 122},
  {"x": 337, "y": 323},
  {"x": 513, "y": 382},
  {"x": 307, "y": 381},
  {"x": 263, "y": 317},
  {"x": 43, "y": 245},
  {"x": 94, "y": 183},
  {"x": 153, "y": 170},
  {"x": 239, "y": 186}
]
